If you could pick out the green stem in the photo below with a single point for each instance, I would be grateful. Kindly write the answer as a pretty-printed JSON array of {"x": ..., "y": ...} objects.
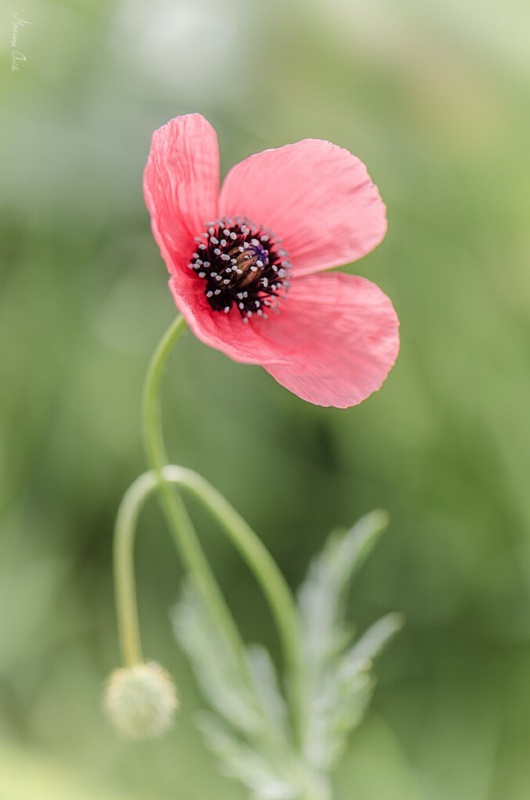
[
  {"x": 177, "y": 517},
  {"x": 258, "y": 558},
  {"x": 242, "y": 536},
  {"x": 265, "y": 571},
  {"x": 125, "y": 591}
]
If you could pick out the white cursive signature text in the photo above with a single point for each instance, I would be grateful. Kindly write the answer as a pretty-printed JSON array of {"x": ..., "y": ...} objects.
[{"x": 16, "y": 56}]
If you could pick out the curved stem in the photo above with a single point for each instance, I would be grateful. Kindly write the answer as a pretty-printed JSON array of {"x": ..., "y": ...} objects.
[
  {"x": 125, "y": 591},
  {"x": 266, "y": 572},
  {"x": 258, "y": 558},
  {"x": 242, "y": 536},
  {"x": 153, "y": 440},
  {"x": 177, "y": 517}
]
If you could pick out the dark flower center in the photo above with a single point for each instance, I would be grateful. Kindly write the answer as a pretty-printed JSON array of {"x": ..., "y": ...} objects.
[{"x": 241, "y": 264}]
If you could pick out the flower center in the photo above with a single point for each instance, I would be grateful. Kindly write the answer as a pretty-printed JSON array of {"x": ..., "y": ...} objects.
[{"x": 241, "y": 264}]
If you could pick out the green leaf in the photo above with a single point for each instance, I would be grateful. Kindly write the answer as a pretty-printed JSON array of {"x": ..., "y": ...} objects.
[
  {"x": 250, "y": 732},
  {"x": 215, "y": 665},
  {"x": 338, "y": 685},
  {"x": 239, "y": 760},
  {"x": 321, "y": 597},
  {"x": 267, "y": 687},
  {"x": 376, "y": 638},
  {"x": 338, "y": 705}
]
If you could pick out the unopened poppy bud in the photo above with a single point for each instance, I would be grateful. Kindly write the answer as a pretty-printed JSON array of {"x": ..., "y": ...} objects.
[{"x": 141, "y": 700}]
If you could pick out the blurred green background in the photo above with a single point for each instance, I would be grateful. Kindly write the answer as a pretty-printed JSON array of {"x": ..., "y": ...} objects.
[{"x": 434, "y": 98}]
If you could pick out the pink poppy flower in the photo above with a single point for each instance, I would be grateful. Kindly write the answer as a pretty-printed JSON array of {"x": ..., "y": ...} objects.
[{"x": 246, "y": 261}]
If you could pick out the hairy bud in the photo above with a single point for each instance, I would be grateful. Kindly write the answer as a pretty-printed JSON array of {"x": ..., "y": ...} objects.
[{"x": 141, "y": 700}]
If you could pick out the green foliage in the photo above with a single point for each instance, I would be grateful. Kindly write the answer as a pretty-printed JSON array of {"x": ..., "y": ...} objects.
[
  {"x": 338, "y": 680},
  {"x": 322, "y": 596},
  {"x": 249, "y": 733},
  {"x": 215, "y": 664}
]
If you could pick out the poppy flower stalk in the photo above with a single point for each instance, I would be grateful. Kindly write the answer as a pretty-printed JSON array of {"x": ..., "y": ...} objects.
[
  {"x": 246, "y": 264},
  {"x": 189, "y": 547}
]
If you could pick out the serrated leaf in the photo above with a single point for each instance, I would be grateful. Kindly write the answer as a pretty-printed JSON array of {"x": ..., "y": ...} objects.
[
  {"x": 321, "y": 597},
  {"x": 376, "y": 638},
  {"x": 216, "y": 667},
  {"x": 337, "y": 707},
  {"x": 251, "y": 735},
  {"x": 266, "y": 684},
  {"x": 343, "y": 693},
  {"x": 241, "y": 761},
  {"x": 338, "y": 684}
]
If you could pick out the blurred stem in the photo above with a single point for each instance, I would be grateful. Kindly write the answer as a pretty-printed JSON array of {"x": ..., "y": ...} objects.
[
  {"x": 242, "y": 536},
  {"x": 258, "y": 558},
  {"x": 266, "y": 572},
  {"x": 175, "y": 512},
  {"x": 126, "y": 605}
]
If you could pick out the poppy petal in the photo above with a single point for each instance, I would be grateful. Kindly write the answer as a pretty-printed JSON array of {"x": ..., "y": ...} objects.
[
  {"x": 181, "y": 185},
  {"x": 338, "y": 338},
  {"x": 317, "y": 197},
  {"x": 332, "y": 344},
  {"x": 243, "y": 342}
]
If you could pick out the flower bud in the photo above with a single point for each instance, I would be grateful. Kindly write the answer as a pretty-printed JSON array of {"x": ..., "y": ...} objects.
[{"x": 140, "y": 700}]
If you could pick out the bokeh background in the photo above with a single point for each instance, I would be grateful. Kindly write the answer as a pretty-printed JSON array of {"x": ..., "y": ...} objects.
[{"x": 434, "y": 97}]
